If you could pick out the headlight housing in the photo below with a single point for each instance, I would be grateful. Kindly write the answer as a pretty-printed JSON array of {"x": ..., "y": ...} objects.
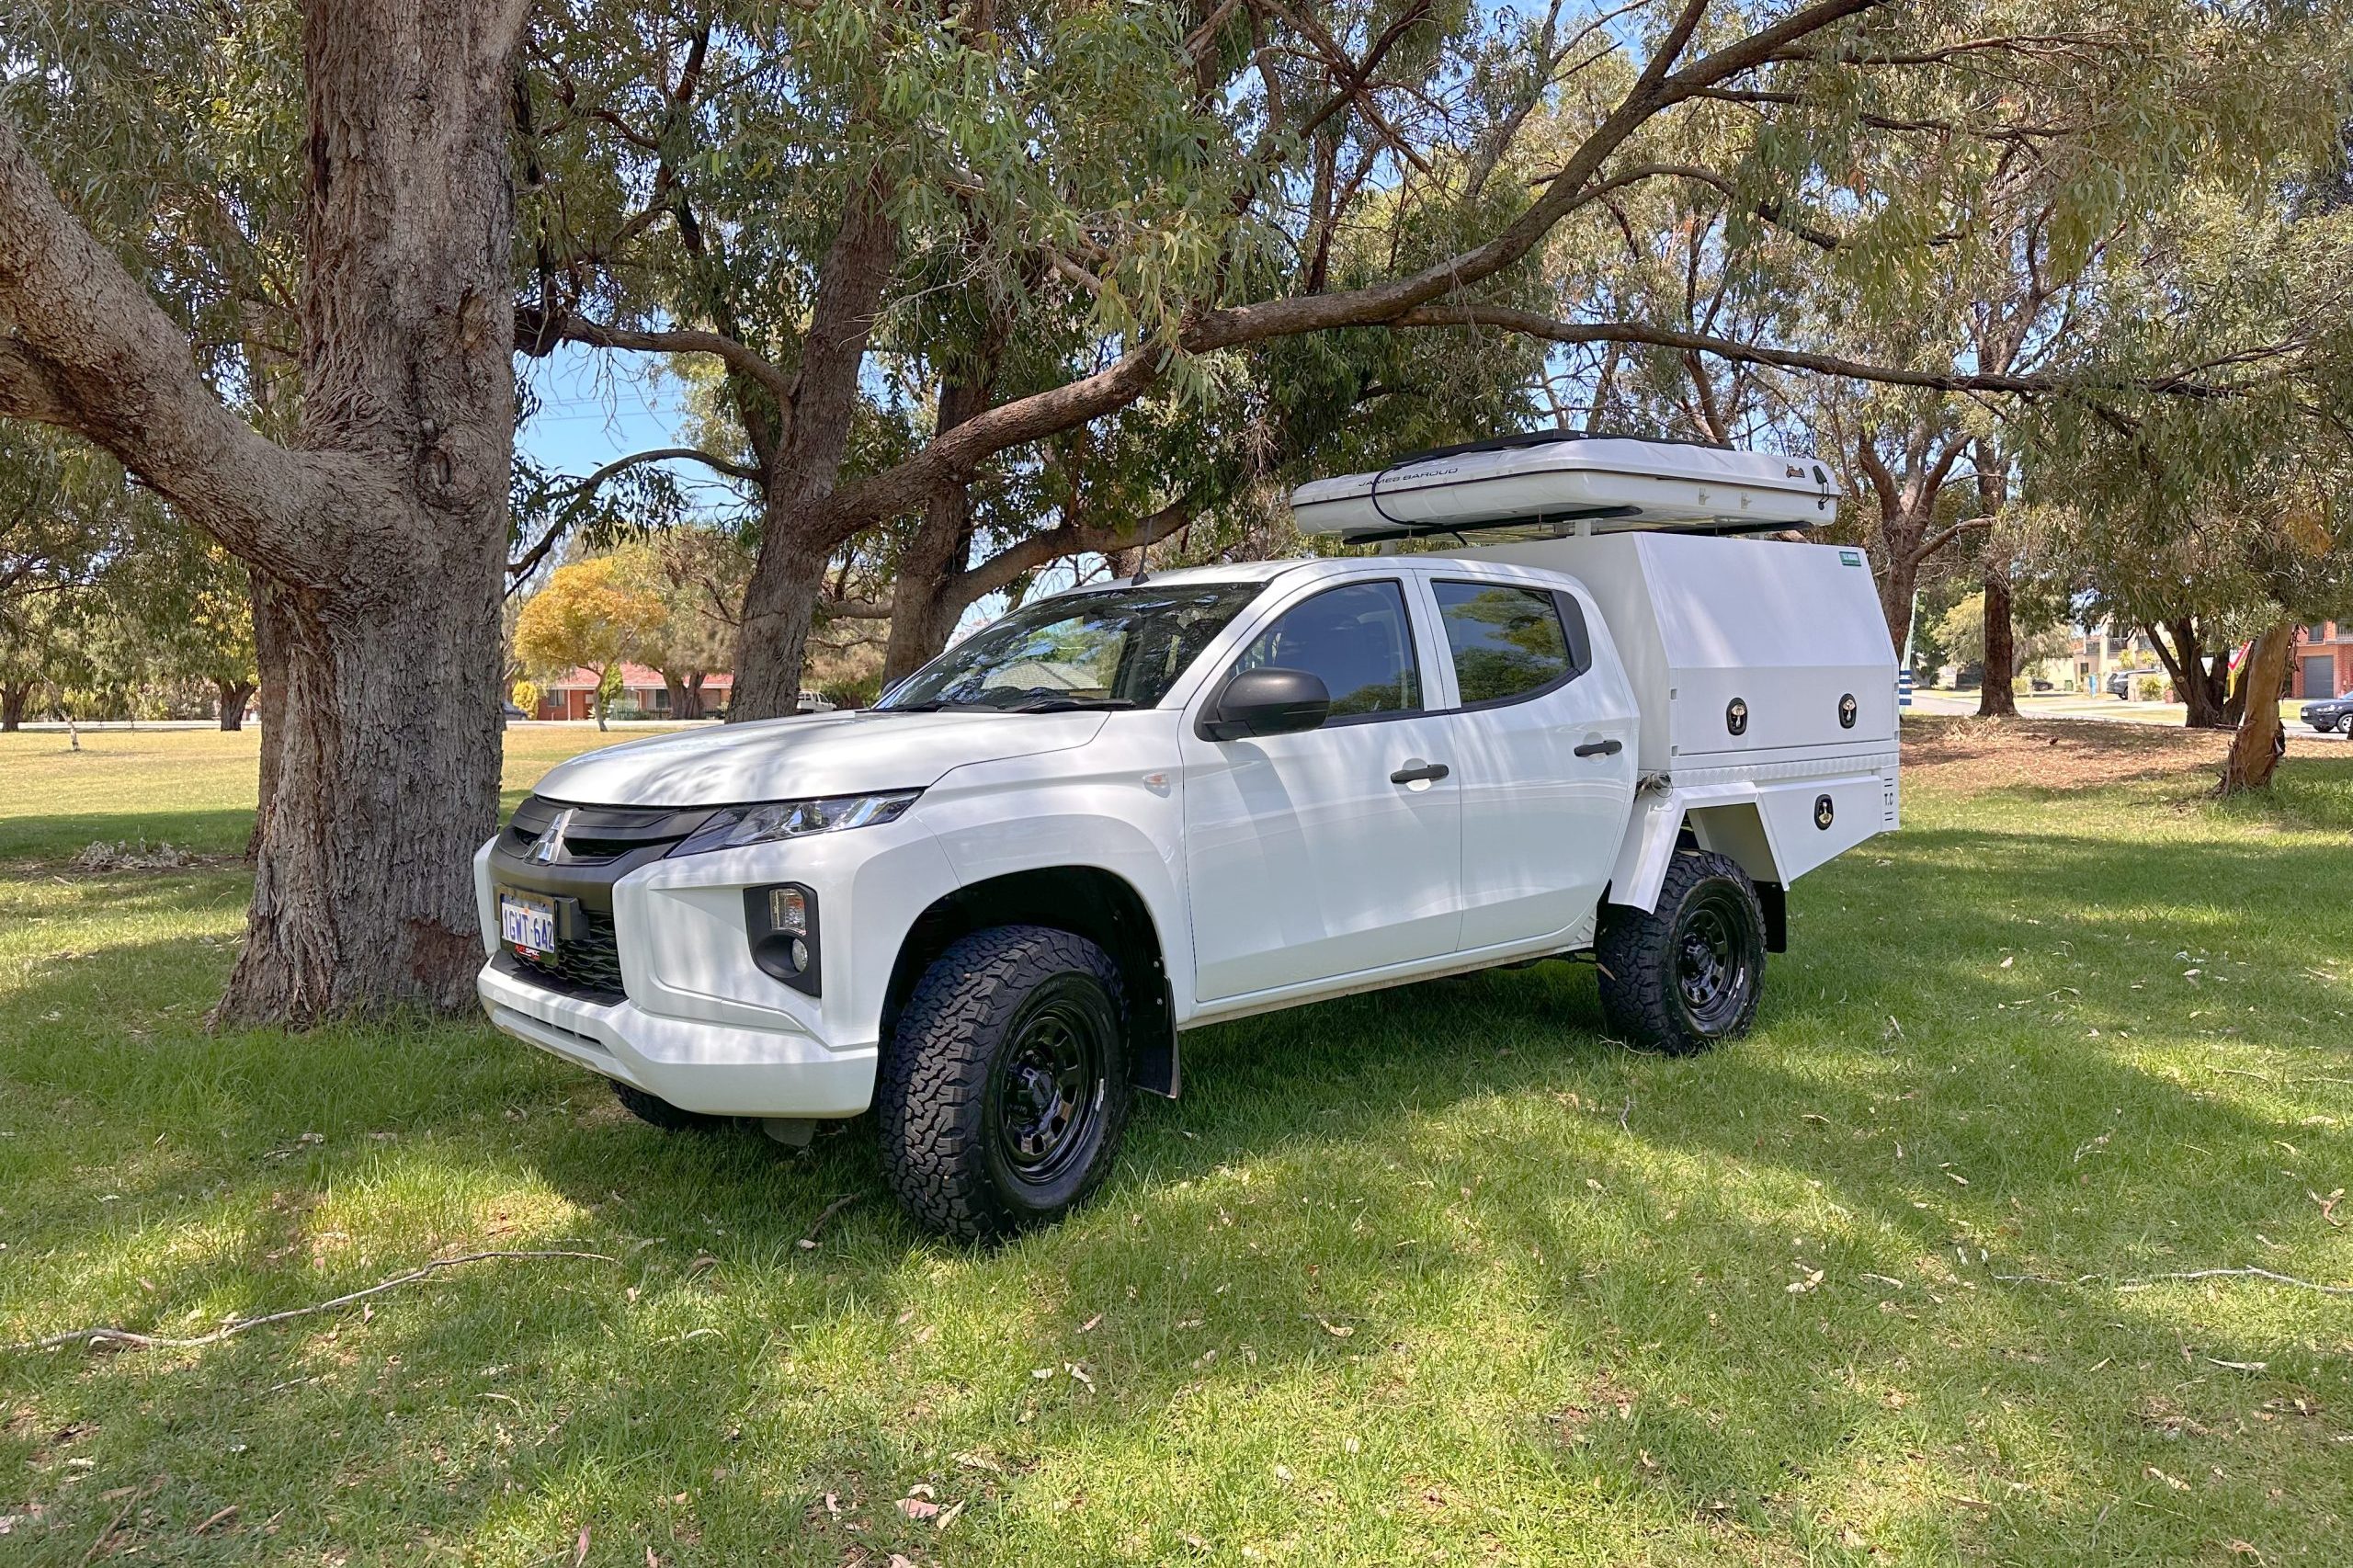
[{"x": 733, "y": 828}]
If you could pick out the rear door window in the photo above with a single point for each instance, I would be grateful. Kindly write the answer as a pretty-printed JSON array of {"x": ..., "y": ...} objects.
[
  {"x": 1357, "y": 639},
  {"x": 1509, "y": 643}
]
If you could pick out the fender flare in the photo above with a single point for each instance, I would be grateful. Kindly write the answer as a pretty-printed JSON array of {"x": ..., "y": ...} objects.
[{"x": 1724, "y": 818}]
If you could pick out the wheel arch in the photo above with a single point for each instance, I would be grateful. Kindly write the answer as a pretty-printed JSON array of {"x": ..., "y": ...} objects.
[
  {"x": 1086, "y": 901},
  {"x": 1735, "y": 829}
]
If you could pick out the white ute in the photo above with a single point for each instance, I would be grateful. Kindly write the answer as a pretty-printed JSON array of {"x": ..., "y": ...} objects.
[{"x": 987, "y": 908}]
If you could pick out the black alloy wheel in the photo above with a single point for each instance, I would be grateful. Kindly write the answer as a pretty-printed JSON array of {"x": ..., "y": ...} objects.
[
  {"x": 1004, "y": 1087},
  {"x": 1046, "y": 1092},
  {"x": 1686, "y": 974},
  {"x": 1711, "y": 956}
]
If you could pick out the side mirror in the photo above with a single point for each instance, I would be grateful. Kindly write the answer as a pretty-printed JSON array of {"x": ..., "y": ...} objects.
[{"x": 1266, "y": 702}]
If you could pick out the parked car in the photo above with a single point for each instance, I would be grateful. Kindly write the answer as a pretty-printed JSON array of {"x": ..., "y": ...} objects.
[
  {"x": 987, "y": 908},
  {"x": 2119, "y": 683},
  {"x": 2329, "y": 713}
]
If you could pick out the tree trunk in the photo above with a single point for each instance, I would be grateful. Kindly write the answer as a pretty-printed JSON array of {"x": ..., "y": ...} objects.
[
  {"x": 780, "y": 607},
  {"x": 234, "y": 696},
  {"x": 382, "y": 787},
  {"x": 269, "y": 661},
  {"x": 685, "y": 693},
  {"x": 2256, "y": 746},
  {"x": 382, "y": 733},
  {"x": 14, "y": 696},
  {"x": 925, "y": 607},
  {"x": 924, "y": 604},
  {"x": 1897, "y": 581},
  {"x": 1997, "y": 693},
  {"x": 801, "y": 525}
]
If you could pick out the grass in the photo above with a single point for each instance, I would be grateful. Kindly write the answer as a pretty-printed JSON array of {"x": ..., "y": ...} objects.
[{"x": 1433, "y": 1274}]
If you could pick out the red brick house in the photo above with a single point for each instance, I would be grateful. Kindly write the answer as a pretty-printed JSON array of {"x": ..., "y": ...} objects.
[
  {"x": 573, "y": 695},
  {"x": 2322, "y": 665}
]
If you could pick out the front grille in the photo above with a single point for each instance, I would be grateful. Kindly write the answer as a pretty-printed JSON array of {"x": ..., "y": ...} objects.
[
  {"x": 573, "y": 854},
  {"x": 587, "y": 961},
  {"x": 593, "y": 836}
]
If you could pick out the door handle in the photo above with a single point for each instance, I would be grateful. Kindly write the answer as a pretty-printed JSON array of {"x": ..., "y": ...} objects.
[
  {"x": 1601, "y": 748},
  {"x": 1415, "y": 772}
]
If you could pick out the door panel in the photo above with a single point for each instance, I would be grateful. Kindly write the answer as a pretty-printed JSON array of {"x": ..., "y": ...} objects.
[
  {"x": 1540, "y": 824},
  {"x": 1305, "y": 862},
  {"x": 1304, "y": 859}
]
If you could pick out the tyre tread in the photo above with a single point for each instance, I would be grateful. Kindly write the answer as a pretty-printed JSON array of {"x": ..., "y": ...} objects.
[
  {"x": 1637, "y": 969},
  {"x": 933, "y": 1078}
]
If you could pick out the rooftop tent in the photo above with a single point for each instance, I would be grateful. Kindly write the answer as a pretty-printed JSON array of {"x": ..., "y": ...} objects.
[{"x": 1558, "y": 481}]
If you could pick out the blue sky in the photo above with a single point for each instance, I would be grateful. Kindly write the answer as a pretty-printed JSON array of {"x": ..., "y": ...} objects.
[{"x": 596, "y": 405}]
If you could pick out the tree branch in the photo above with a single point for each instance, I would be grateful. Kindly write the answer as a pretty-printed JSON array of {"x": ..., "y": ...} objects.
[
  {"x": 1535, "y": 325},
  {"x": 129, "y": 1339},
  {"x": 999, "y": 571},
  {"x": 81, "y": 345},
  {"x": 536, "y": 333}
]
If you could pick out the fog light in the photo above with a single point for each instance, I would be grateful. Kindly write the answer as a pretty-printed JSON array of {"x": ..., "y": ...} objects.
[{"x": 781, "y": 922}]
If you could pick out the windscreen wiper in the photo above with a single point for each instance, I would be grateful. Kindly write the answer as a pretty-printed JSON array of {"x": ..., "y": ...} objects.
[{"x": 1058, "y": 704}]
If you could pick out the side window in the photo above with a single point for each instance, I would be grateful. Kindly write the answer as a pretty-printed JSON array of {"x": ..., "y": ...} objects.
[
  {"x": 1356, "y": 638},
  {"x": 1510, "y": 643}
]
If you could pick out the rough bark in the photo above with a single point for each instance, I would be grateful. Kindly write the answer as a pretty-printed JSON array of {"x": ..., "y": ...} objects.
[
  {"x": 13, "y": 697},
  {"x": 1997, "y": 693},
  {"x": 802, "y": 518},
  {"x": 269, "y": 659},
  {"x": 2256, "y": 746},
  {"x": 232, "y": 697},
  {"x": 379, "y": 531},
  {"x": 924, "y": 603}
]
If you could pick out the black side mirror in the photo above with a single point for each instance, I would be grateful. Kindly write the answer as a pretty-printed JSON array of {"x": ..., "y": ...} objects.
[{"x": 1266, "y": 702}]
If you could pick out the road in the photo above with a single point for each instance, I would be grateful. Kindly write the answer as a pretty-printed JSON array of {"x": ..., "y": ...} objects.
[{"x": 2107, "y": 709}]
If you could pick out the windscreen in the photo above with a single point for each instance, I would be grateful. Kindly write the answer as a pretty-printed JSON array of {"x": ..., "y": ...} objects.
[{"x": 1118, "y": 648}]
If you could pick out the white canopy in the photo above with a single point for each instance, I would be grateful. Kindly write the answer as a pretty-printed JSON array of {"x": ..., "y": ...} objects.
[{"x": 1606, "y": 483}]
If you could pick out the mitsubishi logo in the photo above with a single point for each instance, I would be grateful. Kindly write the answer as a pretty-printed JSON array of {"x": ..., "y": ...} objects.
[{"x": 551, "y": 843}]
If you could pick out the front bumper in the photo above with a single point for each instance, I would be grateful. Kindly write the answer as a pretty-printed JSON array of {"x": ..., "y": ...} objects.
[
  {"x": 718, "y": 1068},
  {"x": 693, "y": 1020}
]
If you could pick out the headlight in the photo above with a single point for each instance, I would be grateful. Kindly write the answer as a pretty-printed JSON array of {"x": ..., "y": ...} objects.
[{"x": 736, "y": 826}]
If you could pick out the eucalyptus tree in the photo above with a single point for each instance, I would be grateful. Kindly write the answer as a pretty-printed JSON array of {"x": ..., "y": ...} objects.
[
  {"x": 1164, "y": 187},
  {"x": 2236, "y": 497},
  {"x": 280, "y": 294},
  {"x": 1932, "y": 279}
]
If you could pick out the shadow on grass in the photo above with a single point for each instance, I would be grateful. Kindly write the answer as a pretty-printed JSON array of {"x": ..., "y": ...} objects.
[
  {"x": 1352, "y": 1200},
  {"x": 56, "y": 838}
]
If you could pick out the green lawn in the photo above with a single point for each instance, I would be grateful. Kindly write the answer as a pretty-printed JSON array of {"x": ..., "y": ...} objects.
[{"x": 1433, "y": 1274}]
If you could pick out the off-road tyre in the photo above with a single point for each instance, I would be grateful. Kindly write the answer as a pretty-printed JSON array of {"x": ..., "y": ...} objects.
[
  {"x": 656, "y": 1111},
  {"x": 1687, "y": 975},
  {"x": 959, "y": 1095}
]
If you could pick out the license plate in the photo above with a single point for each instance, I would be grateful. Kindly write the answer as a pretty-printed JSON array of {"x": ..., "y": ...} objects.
[{"x": 526, "y": 921}]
